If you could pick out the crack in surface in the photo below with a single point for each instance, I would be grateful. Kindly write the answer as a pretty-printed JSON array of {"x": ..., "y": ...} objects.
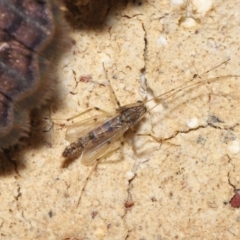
[{"x": 129, "y": 203}]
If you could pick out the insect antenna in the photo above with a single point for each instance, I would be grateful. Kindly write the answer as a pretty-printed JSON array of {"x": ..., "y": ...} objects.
[{"x": 188, "y": 85}]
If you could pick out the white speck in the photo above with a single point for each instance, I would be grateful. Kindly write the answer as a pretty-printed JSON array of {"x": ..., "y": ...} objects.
[
  {"x": 142, "y": 78},
  {"x": 4, "y": 45},
  {"x": 211, "y": 42},
  {"x": 130, "y": 175},
  {"x": 162, "y": 40},
  {"x": 176, "y": 2},
  {"x": 104, "y": 58},
  {"x": 192, "y": 123},
  {"x": 202, "y": 6},
  {"x": 187, "y": 72},
  {"x": 66, "y": 62},
  {"x": 234, "y": 147},
  {"x": 143, "y": 82},
  {"x": 188, "y": 23}
]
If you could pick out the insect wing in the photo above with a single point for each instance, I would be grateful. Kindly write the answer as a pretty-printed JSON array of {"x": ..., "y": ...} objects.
[
  {"x": 82, "y": 128},
  {"x": 104, "y": 145}
]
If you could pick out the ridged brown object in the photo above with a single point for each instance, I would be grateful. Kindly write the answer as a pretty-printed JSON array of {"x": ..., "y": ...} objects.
[{"x": 28, "y": 31}]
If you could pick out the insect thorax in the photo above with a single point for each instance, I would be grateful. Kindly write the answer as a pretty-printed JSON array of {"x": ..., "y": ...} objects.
[{"x": 132, "y": 115}]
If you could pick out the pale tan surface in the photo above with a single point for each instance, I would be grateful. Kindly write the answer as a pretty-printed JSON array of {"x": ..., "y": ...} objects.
[{"x": 180, "y": 190}]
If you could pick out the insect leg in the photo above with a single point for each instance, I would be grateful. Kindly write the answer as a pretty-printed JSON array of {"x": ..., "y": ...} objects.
[
  {"x": 156, "y": 138},
  {"x": 121, "y": 146},
  {"x": 91, "y": 172},
  {"x": 88, "y": 110},
  {"x": 112, "y": 93},
  {"x": 152, "y": 136},
  {"x": 85, "y": 182}
]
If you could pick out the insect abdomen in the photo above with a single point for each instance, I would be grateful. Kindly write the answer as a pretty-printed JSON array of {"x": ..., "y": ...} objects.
[{"x": 74, "y": 150}]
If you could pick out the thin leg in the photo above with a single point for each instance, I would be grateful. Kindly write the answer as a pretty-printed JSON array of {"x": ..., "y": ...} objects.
[
  {"x": 121, "y": 146},
  {"x": 156, "y": 138},
  {"x": 85, "y": 182},
  {"x": 88, "y": 110},
  {"x": 75, "y": 116},
  {"x": 91, "y": 172},
  {"x": 152, "y": 136},
  {"x": 112, "y": 93}
]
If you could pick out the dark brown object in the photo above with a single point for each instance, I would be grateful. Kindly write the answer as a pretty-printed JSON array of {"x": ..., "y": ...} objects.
[
  {"x": 87, "y": 12},
  {"x": 27, "y": 31}
]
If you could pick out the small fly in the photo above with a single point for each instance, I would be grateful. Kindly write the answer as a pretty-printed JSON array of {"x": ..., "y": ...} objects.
[
  {"x": 93, "y": 144},
  {"x": 92, "y": 138}
]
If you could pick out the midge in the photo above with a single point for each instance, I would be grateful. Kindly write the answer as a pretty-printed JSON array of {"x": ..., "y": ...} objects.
[
  {"x": 93, "y": 143},
  {"x": 92, "y": 138}
]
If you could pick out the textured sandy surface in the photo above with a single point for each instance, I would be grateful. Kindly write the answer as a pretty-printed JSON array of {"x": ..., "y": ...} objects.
[{"x": 182, "y": 186}]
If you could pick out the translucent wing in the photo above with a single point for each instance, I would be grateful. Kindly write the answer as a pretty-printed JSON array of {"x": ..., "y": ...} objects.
[
  {"x": 105, "y": 144},
  {"x": 82, "y": 128}
]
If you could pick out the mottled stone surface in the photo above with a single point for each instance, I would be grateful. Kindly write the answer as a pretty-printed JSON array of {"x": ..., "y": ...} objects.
[
  {"x": 27, "y": 29},
  {"x": 182, "y": 186}
]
